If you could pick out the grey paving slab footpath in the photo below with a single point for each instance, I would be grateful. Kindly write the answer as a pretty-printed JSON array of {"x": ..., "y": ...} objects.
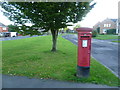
[{"x": 25, "y": 82}]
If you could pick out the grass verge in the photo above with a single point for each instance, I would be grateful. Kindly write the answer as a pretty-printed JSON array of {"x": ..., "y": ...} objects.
[
  {"x": 116, "y": 41},
  {"x": 31, "y": 57},
  {"x": 105, "y": 37}
]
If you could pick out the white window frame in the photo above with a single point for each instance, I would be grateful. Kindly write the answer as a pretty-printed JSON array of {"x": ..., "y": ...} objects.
[
  {"x": 109, "y": 25},
  {"x": 104, "y": 25}
]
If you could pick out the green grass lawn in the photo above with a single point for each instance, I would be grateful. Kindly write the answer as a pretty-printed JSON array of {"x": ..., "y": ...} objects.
[
  {"x": 105, "y": 37},
  {"x": 31, "y": 57},
  {"x": 116, "y": 41}
]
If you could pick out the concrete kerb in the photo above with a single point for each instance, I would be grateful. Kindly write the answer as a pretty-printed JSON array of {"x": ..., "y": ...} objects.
[{"x": 107, "y": 67}]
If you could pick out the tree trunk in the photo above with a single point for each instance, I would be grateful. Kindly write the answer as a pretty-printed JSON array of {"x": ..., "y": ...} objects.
[{"x": 54, "y": 40}]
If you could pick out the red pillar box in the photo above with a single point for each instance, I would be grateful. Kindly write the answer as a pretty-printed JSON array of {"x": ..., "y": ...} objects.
[{"x": 84, "y": 51}]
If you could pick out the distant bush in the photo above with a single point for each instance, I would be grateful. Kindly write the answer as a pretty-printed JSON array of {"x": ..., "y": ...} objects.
[
  {"x": 94, "y": 33},
  {"x": 102, "y": 34}
]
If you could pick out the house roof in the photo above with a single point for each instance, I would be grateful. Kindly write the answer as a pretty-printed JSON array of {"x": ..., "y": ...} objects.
[
  {"x": 114, "y": 20},
  {"x": 2, "y": 25}
]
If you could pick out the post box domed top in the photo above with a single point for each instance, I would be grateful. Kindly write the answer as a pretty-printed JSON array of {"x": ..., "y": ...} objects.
[{"x": 84, "y": 29}]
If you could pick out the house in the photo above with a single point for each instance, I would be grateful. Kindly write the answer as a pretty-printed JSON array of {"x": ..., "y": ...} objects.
[
  {"x": 107, "y": 26},
  {"x": 5, "y": 33},
  {"x": 3, "y": 30}
]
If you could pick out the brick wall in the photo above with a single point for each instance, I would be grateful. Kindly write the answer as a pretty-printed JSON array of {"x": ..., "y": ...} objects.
[{"x": 3, "y": 29}]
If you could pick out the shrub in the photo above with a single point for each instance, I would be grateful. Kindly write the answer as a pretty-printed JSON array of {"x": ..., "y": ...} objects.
[
  {"x": 111, "y": 31},
  {"x": 102, "y": 34},
  {"x": 94, "y": 33}
]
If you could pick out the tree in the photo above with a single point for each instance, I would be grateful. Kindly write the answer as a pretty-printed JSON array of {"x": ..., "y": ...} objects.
[
  {"x": 98, "y": 30},
  {"x": 94, "y": 33},
  {"x": 12, "y": 28},
  {"x": 45, "y": 16},
  {"x": 77, "y": 26},
  {"x": 66, "y": 29}
]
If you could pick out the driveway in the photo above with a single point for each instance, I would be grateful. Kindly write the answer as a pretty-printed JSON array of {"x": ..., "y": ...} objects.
[{"x": 104, "y": 51}]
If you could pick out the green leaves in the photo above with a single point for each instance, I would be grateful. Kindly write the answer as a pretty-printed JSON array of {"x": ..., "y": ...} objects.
[{"x": 50, "y": 15}]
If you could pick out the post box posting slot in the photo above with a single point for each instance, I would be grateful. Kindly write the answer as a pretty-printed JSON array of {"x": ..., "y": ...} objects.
[
  {"x": 85, "y": 36},
  {"x": 84, "y": 42}
]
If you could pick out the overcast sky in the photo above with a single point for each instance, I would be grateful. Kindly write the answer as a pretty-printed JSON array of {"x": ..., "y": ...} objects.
[{"x": 102, "y": 10}]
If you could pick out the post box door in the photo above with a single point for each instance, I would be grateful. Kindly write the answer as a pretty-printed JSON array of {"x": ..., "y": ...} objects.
[{"x": 84, "y": 52}]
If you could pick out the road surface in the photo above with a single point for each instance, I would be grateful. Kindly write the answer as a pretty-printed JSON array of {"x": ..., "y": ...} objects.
[{"x": 17, "y": 37}]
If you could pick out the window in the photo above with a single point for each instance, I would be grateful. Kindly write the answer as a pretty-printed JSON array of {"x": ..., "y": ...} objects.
[
  {"x": 4, "y": 28},
  {"x": 107, "y": 25}
]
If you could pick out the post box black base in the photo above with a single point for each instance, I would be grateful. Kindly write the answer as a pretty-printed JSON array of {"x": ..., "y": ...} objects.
[{"x": 83, "y": 71}]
